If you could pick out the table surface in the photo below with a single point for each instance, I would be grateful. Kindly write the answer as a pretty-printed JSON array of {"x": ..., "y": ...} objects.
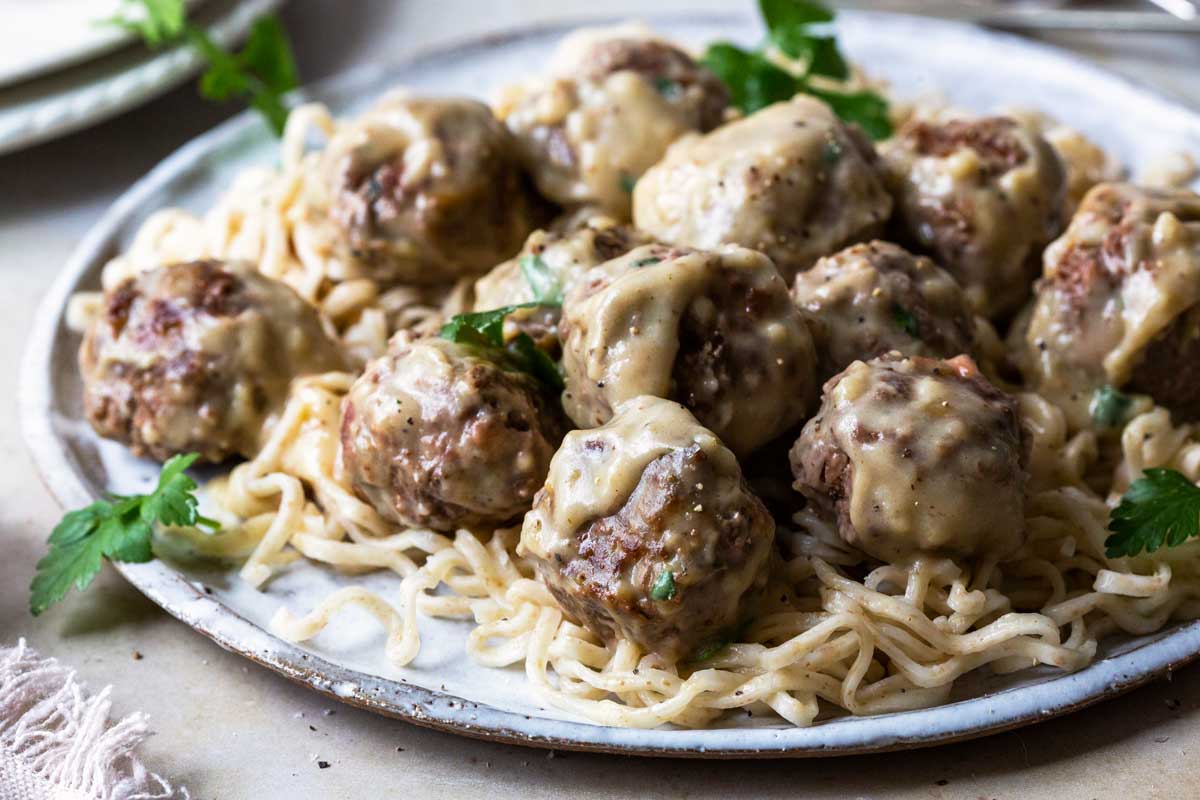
[{"x": 229, "y": 729}]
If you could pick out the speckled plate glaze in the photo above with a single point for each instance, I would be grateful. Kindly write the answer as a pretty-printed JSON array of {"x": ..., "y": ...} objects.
[{"x": 443, "y": 689}]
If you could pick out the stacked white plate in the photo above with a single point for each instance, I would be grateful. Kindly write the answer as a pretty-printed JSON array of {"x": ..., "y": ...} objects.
[{"x": 62, "y": 68}]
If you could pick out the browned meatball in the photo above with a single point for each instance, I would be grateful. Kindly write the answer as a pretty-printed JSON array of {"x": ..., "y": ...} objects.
[
  {"x": 916, "y": 455},
  {"x": 984, "y": 197},
  {"x": 1119, "y": 302},
  {"x": 614, "y": 101},
  {"x": 547, "y": 268},
  {"x": 870, "y": 299},
  {"x": 429, "y": 190},
  {"x": 436, "y": 436},
  {"x": 646, "y": 531},
  {"x": 196, "y": 357},
  {"x": 791, "y": 181},
  {"x": 715, "y": 331}
]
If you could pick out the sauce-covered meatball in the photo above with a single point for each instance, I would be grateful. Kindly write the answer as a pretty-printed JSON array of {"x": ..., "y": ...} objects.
[
  {"x": 429, "y": 190},
  {"x": 196, "y": 357},
  {"x": 916, "y": 455},
  {"x": 715, "y": 331},
  {"x": 984, "y": 197},
  {"x": 434, "y": 435},
  {"x": 1119, "y": 302},
  {"x": 547, "y": 268},
  {"x": 870, "y": 299},
  {"x": 791, "y": 181},
  {"x": 614, "y": 101},
  {"x": 646, "y": 531}
]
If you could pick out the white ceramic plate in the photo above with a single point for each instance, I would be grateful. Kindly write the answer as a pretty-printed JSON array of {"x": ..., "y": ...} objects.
[
  {"x": 443, "y": 689},
  {"x": 54, "y": 104},
  {"x": 46, "y": 35}
]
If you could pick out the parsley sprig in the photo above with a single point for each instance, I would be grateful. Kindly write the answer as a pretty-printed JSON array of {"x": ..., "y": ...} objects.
[
  {"x": 1161, "y": 507},
  {"x": 119, "y": 528},
  {"x": 484, "y": 331},
  {"x": 1109, "y": 408},
  {"x": 799, "y": 30},
  {"x": 260, "y": 74},
  {"x": 905, "y": 320},
  {"x": 546, "y": 286}
]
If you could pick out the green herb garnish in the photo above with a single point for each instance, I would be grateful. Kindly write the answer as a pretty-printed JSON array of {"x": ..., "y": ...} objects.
[
  {"x": 905, "y": 321},
  {"x": 790, "y": 26},
  {"x": 1162, "y": 506},
  {"x": 668, "y": 88},
  {"x": 1109, "y": 407},
  {"x": 708, "y": 650},
  {"x": 546, "y": 286},
  {"x": 798, "y": 29},
  {"x": 664, "y": 586},
  {"x": 645, "y": 262},
  {"x": 484, "y": 331},
  {"x": 627, "y": 182},
  {"x": 831, "y": 152},
  {"x": 119, "y": 529},
  {"x": 260, "y": 74},
  {"x": 162, "y": 21}
]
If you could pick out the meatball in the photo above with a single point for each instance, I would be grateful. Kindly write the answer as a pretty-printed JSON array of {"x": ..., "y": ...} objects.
[
  {"x": 196, "y": 357},
  {"x": 983, "y": 197},
  {"x": 547, "y": 267},
  {"x": 614, "y": 102},
  {"x": 436, "y": 436},
  {"x": 429, "y": 190},
  {"x": 1119, "y": 303},
  {"x": 870, "y": 299},
  {"x": 647, "y": 531},
  {"x": 715, "y": 331},
  {"x": 916, "y": 455},
  {"x": 791, "y": 181}
]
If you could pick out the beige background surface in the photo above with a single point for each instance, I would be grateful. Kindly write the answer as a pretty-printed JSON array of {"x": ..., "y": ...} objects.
[{"x": 228, "y": 729}]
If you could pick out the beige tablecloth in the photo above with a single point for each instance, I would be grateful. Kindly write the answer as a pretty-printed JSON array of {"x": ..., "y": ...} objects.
[{"x": 228, "y": 729}]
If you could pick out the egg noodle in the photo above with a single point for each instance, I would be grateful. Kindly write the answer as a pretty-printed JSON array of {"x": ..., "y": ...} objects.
[{"x": 867, "y": 640}]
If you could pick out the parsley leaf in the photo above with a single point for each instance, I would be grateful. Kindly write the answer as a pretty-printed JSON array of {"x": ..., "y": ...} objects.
[
  {"x": 1162, "y": 506},
  {"x": 753, "y": 81},
  {"x": 547, "y": 287},
  {"x": 867, "y": 109},
  {"x": 260, "y": 74},
  {"x": 664, "y": 586},
  {"x": 120, "y": 529},
  {"x": 1109, "y": 407},
  {"x": 484, "y": 330},
  {"x": 799, "y": 29},
  {"x": 668, "y": 88},
  {"x": 158, "y": 22},
  {"x": 783, "y": 16},
  {"x": 905, "y": 321}
]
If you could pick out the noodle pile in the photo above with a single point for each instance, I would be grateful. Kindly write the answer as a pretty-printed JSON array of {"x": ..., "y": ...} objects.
[{"x": 864, "y": 639}]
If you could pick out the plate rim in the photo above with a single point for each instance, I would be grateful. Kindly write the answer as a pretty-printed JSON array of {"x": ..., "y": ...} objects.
[
  {"x": 59, "y": 472},
  {"x": 85, "y": 103}
]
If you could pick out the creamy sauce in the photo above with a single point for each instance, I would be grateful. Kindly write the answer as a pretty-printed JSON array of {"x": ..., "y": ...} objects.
[
  {"x": 586, "y": 483},
  {"x": 623, "y": 324},
  {"x": 982, "y": 223},
  {"x": 873, "y": 298},
  {"x": 1136, "y": 290},
  {"x": 587, "y": 140},
  {"x": 789, "y": 181},
  {"x": 565, "y": 256},
  {"x": 221, "y": 377},
  {"x": 927, "y": 455}
]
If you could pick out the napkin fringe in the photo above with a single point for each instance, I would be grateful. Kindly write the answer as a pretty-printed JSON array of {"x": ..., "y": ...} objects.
[{"x": 64, "y": 736}]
